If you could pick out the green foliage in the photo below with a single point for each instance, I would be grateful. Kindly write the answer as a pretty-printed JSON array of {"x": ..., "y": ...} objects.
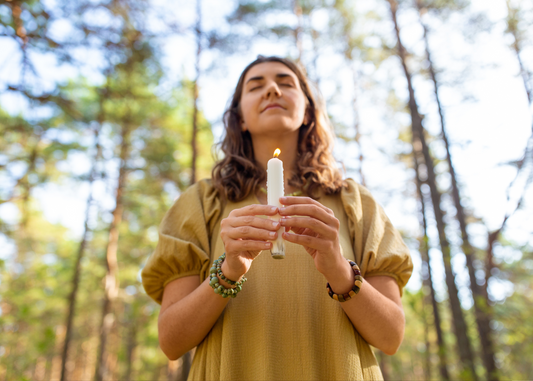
[{"x": 88, "y": 115}]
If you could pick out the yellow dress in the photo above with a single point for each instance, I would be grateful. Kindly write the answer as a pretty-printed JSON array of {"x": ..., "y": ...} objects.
[{"x": 282, "y": 325}]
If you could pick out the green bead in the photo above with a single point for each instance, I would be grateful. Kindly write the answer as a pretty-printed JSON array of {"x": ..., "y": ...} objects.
[
  {"x": 217, "y": 291},
  {"x": 224, "y": 295},
  {"x": 213, "y": 281},
  {"x": 217, "y": 284},
  {"x": 220, "y": 289},
  {"x": 212, "y": 270}
]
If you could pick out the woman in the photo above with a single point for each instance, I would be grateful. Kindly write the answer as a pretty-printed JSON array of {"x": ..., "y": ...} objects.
[{"x": 280, "y": 324}]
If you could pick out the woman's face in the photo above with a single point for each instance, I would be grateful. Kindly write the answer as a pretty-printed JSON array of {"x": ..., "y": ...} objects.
[{"x": 272, "y": 101}]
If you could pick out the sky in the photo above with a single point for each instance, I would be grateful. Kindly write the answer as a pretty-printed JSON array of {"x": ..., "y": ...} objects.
[{"x": 487, "y": 130}]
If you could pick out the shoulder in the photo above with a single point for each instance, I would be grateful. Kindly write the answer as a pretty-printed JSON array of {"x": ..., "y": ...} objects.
[
  {"x": 359, "y": 203},
  {"x": 201, "y": 188},
  {"x": 202, "y": 192},
  {"x": 353, "y": 189},
  {"x": 198, "y": 201},
  {"x": 353, "y": 193}
]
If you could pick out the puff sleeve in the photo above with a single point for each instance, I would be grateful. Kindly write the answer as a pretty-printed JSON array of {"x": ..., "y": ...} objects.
[
  {"x": 378, "y": 247},
  {"x": 184, "y": 242}
]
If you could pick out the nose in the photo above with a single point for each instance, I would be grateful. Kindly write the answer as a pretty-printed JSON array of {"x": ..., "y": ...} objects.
[{"x": 272, "y": 89}]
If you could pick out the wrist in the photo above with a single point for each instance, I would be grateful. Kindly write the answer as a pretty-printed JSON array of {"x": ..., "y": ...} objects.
[
  {"x": 342, "y": 278},
  {"x": 231, "y": 275}
]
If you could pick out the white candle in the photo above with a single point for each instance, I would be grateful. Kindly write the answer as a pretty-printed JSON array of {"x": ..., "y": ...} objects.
[{"x": 274, "y": 192}]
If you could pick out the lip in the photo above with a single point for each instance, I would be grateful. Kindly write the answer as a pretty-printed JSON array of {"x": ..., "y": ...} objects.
[{"x": 272, "y": 105}]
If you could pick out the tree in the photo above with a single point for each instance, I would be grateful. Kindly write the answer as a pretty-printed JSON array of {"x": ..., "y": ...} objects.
[
  {"x": 421, "y": 149},
  {"x": 481, "y": 302}
]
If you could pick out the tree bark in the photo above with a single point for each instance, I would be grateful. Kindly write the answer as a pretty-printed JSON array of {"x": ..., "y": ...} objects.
[
  {"x": 482, "y": 308},
  {"x": 297, "y": 9},
  {"x": 357, "y": 125},
  {"x": 424, "y": 253},
  {"x": 185, "y": 366},
  {"x": 194, "y": 143},
  {"x": 513, "y": 15},
  {"x": 111, "y": 279},
  {"x": 130, "y": 344},
  {"x": 81, "y": 251},
  {"x": 383, "y": 365},
  {"x": 420, "y": 145}
]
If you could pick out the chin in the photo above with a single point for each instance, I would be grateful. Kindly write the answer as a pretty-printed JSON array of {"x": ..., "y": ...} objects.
[{"x": 278, "y": 125}]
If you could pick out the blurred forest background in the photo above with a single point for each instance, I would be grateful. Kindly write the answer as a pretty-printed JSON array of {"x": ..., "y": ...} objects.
[{"x": 110, "y": 108}]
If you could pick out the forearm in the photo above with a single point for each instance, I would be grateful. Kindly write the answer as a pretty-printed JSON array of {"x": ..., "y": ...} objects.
[
  {"x": 377, "y": 318},
  {"x": 184, "y": 324}
]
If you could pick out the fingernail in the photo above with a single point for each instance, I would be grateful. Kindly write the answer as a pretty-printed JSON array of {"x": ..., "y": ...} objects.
[
  {"x": 282, "y": 199},
  {"x": 272, "y": 234},
  {"x": 273, "y": 209},
  {"x": 267, "y": 244},
  {"x": 275, "y": 224},
  {"x": 282, "y": 210}
]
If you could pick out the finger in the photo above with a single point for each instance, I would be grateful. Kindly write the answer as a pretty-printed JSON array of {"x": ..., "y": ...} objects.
[
  {"x": 233, "y": 246},
  {"x": 313, "y": 224},
  {"x": 296, "y": 230},
  {"x": 305, "y": 231},
  {"x": 251, "y": 233},
  {"x": 257, "y": 222},
  {"x": 255, "y": 210},
  {"x": 311, "y": 210},
  {"x": 307, "y": 241},
  {"x": 290, "y": 200}
]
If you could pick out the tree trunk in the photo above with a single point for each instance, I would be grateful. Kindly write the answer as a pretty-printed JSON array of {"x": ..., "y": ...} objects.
[
  {"x": 131, "y": 342},
  {"x": 383, "y": 365},
  {"x": 420, "y": 145},
  {"x": 316, "y": 53},
  {"x": 172, "y": 370},
  {"x": 297, "y": 9},
  {"x": 194, "y": 143},
  {"x": 111, "y": 279},
  {"x": 482, "y": 308},
  {"x": 424, "y": 253},
  {"x": 357, "y": 125},
  {"x": 186, "y": 361},
  {"x": 77, "y": 266},
  {"x": 513, "y": 18},
  {"x": 427, "y": 353}
]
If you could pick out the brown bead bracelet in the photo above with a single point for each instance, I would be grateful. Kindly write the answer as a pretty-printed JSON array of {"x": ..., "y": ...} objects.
[{"x": 355, "y": 289}]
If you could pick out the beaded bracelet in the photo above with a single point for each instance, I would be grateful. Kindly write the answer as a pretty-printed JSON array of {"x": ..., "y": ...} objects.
[
  {"x": 215, "y": 284},
  {"x": 355, "y": 289}
]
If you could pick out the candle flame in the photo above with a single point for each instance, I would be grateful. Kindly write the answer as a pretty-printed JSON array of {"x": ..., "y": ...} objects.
[{"x": 277, "y": 152}]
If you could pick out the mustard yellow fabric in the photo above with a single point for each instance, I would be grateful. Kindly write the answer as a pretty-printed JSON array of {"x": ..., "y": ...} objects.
[{"x": 282, "y": 325}]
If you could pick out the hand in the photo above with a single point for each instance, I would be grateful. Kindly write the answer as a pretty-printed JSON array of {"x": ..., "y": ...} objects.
[
  {"x": 317, "y": 229},
  {"x": 245, "y": 235}
]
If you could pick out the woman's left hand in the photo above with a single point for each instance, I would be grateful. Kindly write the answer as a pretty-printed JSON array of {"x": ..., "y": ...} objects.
[{"x": 316, "y": 228}]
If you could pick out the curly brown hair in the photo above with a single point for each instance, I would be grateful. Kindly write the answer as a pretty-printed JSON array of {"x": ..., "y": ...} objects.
[{"x": 238, "y": 174}]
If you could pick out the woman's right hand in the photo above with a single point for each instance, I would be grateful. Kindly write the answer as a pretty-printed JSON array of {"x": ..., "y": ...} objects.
[{"x": 245, "y": 235}]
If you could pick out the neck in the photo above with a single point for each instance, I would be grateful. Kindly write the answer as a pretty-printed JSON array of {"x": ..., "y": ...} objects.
[{"x": 264, "y": 147}]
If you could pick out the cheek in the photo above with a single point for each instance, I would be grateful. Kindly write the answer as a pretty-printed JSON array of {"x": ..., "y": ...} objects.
[
  {"x": 300, "y": 108},
  {"x": 246, "y": 109}
]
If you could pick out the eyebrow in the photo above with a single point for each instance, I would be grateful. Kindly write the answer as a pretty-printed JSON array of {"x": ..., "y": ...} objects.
[{"x": 280, "y": 75}]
